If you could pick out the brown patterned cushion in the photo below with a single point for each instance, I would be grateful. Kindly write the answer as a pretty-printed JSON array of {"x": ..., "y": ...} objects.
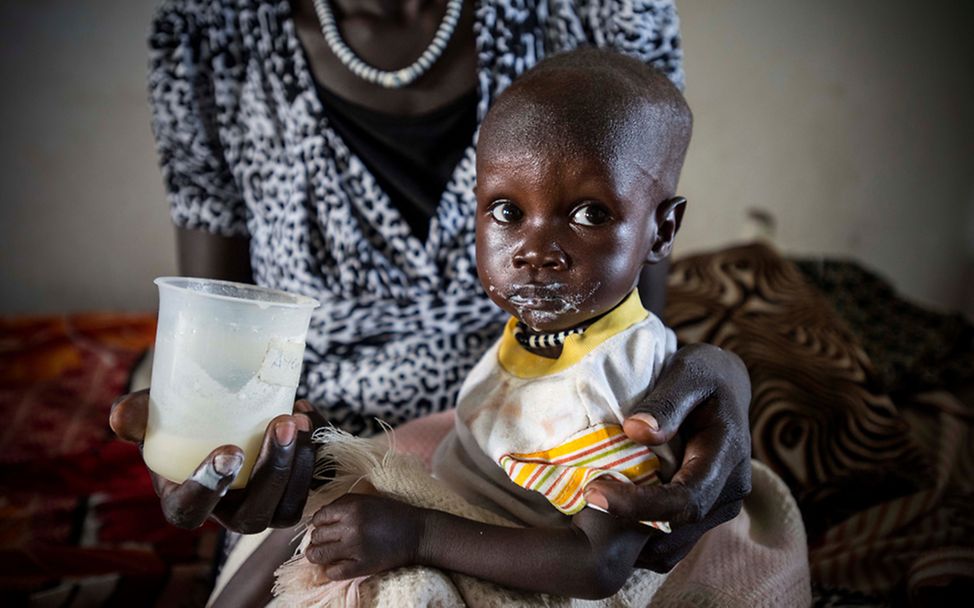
[{"x": 817, "y": 416}]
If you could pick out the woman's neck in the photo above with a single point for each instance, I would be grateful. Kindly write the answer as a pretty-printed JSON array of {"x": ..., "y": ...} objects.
[
  {"x": 390, "y": 43},
  {"x": 382, "y": 9}
]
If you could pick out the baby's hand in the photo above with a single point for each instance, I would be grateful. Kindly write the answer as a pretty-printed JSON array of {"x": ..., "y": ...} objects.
[{"x": 359, "y": 535}]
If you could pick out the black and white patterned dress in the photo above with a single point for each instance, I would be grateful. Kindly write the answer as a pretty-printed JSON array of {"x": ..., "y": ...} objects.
[{"x": 246, "y": 149}]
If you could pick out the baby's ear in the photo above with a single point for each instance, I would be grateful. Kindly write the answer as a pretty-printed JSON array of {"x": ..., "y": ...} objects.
[{"x": 669, "y": 215}]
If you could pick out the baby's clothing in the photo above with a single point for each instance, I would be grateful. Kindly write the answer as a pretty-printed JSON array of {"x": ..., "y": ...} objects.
[{"x": 532, "y": 432}]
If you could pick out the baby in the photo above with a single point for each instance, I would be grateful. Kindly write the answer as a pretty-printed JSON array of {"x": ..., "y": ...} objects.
[{"x": 577, "y": 165}]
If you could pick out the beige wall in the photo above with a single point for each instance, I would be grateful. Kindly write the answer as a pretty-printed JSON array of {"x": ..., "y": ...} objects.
[
  {"x": 852, "y": 122},
  {"x": 82, "y": 214}
]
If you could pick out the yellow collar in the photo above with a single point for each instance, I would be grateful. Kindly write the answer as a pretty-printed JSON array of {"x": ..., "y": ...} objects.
[{"x": 522, "y": 363}]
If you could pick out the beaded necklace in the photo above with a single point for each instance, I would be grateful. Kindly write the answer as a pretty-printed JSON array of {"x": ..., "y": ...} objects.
[{"x": 398, "y": 78}]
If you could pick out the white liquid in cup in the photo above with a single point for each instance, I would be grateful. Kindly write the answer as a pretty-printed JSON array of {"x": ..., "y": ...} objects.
[{"x": 227, "y": 360}]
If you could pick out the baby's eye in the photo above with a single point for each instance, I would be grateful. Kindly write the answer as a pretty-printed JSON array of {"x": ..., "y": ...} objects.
[
  {"x": 506, "y": 212},
  {"x": 591, "y": 214}
]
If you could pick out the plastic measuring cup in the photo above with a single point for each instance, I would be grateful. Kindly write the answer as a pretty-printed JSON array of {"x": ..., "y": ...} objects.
[{"x": 227, "y": 360}]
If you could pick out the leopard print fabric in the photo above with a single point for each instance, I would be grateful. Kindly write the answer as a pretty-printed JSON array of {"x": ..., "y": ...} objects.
[{"x": 246, "y": 149}]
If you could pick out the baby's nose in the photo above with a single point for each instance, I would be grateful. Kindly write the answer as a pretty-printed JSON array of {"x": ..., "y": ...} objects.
[{"x": 542, "y": 255}]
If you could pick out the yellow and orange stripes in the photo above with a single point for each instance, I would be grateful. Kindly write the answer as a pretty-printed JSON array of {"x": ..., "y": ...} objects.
[{"x": 562, "y": 473}]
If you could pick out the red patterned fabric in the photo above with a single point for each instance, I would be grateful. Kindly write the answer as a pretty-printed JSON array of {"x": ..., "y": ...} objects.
[{"x": 79, "y": 521}]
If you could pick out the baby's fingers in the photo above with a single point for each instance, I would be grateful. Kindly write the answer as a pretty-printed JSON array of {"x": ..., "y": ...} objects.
[
  {"x": 327, "y": 553},
  {"x": 345, "y": 569},
  {"x": 328, "y": 550},
  {"x": 326, "y": 534}
]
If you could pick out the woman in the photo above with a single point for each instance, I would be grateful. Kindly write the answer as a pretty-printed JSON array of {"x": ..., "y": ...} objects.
[{"x": 288, "y": 168}]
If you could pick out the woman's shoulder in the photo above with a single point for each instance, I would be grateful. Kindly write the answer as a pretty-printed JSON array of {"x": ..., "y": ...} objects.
[
  {"x": 203, "y": 10},
  {"x": 188, "y": 13},
  {"x": 214, "y": 36},
  {"x": 648, "y": 30},
  {"x": 217, "y": 21}
]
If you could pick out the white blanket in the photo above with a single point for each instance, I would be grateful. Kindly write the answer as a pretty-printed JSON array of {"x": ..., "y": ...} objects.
[{"x": 757, "y": 559}]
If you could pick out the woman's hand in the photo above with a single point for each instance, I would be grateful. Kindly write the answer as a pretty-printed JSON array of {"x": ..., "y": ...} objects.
[
  {"x": 360, "y": 534},
  {"x": 277, "y": 488},
  {"x": 704, "y": 393}
]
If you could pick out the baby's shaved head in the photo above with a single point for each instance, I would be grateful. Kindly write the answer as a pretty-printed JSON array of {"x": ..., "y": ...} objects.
[{"x": 591, "y": 101}]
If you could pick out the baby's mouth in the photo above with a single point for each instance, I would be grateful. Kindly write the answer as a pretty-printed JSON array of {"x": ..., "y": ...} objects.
[
  {"x": 538, "y": 303},
  {"x": 537, "y": 296}
]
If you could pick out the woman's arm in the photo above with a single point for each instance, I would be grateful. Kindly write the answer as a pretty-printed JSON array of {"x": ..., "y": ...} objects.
[
  {"x": 187, "y": 51},
  {"x": 703, "y": 393},
  {"x": 211, "y": 256},
  {"x": 652, "y": 286},
  {"x": 359, "y": 535}
]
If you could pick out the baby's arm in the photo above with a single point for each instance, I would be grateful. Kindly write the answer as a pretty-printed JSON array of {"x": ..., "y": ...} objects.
[{"x": 359, "y": 535}]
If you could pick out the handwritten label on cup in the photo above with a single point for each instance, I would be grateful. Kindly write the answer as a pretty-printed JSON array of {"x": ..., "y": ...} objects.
[{"x": 282, "y": 363}]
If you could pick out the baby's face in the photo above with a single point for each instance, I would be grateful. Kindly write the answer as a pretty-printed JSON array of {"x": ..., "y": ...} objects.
[{"x": 561, "y": 235}]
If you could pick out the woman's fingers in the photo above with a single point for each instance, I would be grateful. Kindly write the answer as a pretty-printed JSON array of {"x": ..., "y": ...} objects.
[
  {"x": 706, "y": 468},
  {"x": 715, "y": 468},
  {"x": 704, "y": 392},
  {"x": 662, "y": 552},
  {"x": 129, "y": 415},
  {"x": 303, "y": 406},
  {"x": 691, "y": 498},
  {"x": 269, "y": 478},
  {"x": 276, "y": 491},
  {"x": 278, "y": 486},
  {"x": 639, "y": 503},
  {"x": 682, "y": 385},
  {"x": 703, "y": 494},
  {"x": 291, "y": 505},
  {"x": 187, "y": 505},
  {"x": 694, "y": 374},
  {"x": 711, "y": 468}
]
